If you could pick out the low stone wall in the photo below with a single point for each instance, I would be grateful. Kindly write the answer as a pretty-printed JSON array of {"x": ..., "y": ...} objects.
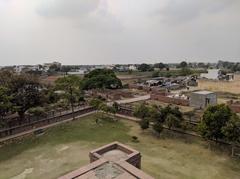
[
  {"x": 134, "y": 157},
  {"x": 42, "y": 122},
  {"x": 165, "y": 99}
]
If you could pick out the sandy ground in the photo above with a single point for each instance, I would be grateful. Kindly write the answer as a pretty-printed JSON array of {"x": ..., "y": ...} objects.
[{"x": 232, "y": 86}]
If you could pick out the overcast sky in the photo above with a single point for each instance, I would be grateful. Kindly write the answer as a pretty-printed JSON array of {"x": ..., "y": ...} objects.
[{"x": 118, "y": 31}]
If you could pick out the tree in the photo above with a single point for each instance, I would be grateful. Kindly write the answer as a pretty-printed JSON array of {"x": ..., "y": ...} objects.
[
  {"x": 37, "y": 112},
  {"x": 5, "y": 102},
  {"x": 54, "y": 68},
  {"x": 145, "y": 67},
  {"x": 154, "y": 113},
  {"x": 96, "y": 103},
  {"x": 65, "y": 69},
  {"x": 159, "y": 65},
  {"x": 214, "y": 120},
  {"x": 185, "y": 71},
  {"x": 232, "y": 131},
  {"x": 172, "y": 121},
  {"x": 141, "y": 111},
  {"x": 26, "y": 93},
  {"x": 144, "y": 123},
  {"x": 158, "y": 127},
  {"x": 101, "y": 79},
  {"x": 171, "y": 116},
  {"x": 116, "y": 106},
  {"x": 183, "y": 64},
  {"x": 72, "y": 87}
]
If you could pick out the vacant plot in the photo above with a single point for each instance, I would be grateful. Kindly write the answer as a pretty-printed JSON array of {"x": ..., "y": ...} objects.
[
  {"x": 223, "y": 86},
  {"x": 65, "y": 148}
]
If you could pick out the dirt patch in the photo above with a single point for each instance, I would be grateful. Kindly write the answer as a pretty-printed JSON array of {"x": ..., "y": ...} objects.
[
  {"x": 115, "y": 155},
  {"x": 24, "y": 174},
  {"x": 63, "y": 148},
  {"x": 226, "y": 86}
]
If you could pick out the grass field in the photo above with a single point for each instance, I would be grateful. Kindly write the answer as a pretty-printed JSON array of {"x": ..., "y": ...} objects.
[{"x": 65, "y": 148}]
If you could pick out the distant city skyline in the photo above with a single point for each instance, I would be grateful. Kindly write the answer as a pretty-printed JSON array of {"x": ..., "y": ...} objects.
[{"x": 87, "y": 32}]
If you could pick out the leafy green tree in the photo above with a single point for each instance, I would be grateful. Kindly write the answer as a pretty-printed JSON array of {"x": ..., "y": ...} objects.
[
  {"x": 5, "y": 103},
  {"x": 185, "y": 71},
  {"x": 159, "y": 65},
  {"x": 183, "y": 64},
  {"x": 71, "y": 85},
  {"x": 6, "y": 78},
  {"x": 155, "y": 114},
  {"x": 232, "y": 131},
  {"x": 100, "y": 79},
  {"x": 116, "y": 106},
  {"x": 26, "y": 93},
  {"x": 144, "y": 123},
  {"x": 37, "y": 112},
  {"x": 158, "y": 127},
  {"x": 141, "y": 111},
  {"x": 172, "y": 121},
  {"x": 65, "y": 69},
  {"x": 169, "y": 115},
  {"x": 145, "y": 67},
  {"x": 96, "y": 103},
  {"x": 213, "y": 121}
]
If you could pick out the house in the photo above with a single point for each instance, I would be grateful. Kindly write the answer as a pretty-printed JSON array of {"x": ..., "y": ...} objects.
[
  {"x": 25, "y": 68},
  {"x": 132, "y": 67},
  {"x": 202, "y": 99},
  {"x": 213, "y": 74},
  {"x": 19, "y": 68},
  {"x": 227, "y": 77},
  {"x": 46, "y": 66},
  {"x": 78, "y": 72}
]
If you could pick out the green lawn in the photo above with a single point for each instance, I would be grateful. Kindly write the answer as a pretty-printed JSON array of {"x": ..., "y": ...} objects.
[{"x": 65, "y": 148}]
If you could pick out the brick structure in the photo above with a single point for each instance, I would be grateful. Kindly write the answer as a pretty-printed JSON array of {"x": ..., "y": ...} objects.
[
  {"x": 202, "y": 99},
  {"x": 235, "y": 106},
  {"x": 116, "y": 94},
  {"x": 114, "y": 160},
  {"x": 161, "y": 96}
]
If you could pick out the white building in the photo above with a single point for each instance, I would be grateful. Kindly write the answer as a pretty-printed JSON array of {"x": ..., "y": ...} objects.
[
  {"x": 78, "y": 72},
  {"x": 212, "y": 74},
  {"x": 132, "y": 67}
]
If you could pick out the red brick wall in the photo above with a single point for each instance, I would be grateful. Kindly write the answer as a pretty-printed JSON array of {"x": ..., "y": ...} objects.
[
  {"x": 165, "y": 99},
  {"x": 235, "y": 107}
]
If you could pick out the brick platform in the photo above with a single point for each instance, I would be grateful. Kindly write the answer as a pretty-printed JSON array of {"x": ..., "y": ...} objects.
[{"x": 114, "y": 160}]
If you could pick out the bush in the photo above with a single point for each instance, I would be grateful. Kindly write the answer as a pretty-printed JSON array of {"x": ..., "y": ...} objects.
[
  {"x": 144, "y": 123},
  {"x": 135, "y": 139},
  {"x": 37, "y": 111},
  {"x": 158, "y": 128}
]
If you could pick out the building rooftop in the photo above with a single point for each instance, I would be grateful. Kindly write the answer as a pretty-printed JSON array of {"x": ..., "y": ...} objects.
[
  {"x": 112, "y": 161},
  {"x": 203, "y": 92}
]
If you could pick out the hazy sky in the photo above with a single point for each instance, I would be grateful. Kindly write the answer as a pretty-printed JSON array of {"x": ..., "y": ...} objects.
[{"x": 118, "y": 31}]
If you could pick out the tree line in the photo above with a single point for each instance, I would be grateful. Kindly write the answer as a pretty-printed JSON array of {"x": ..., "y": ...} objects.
[
  {"x": 218, "y": 122},
  {"x": 25, "y": 93}
]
